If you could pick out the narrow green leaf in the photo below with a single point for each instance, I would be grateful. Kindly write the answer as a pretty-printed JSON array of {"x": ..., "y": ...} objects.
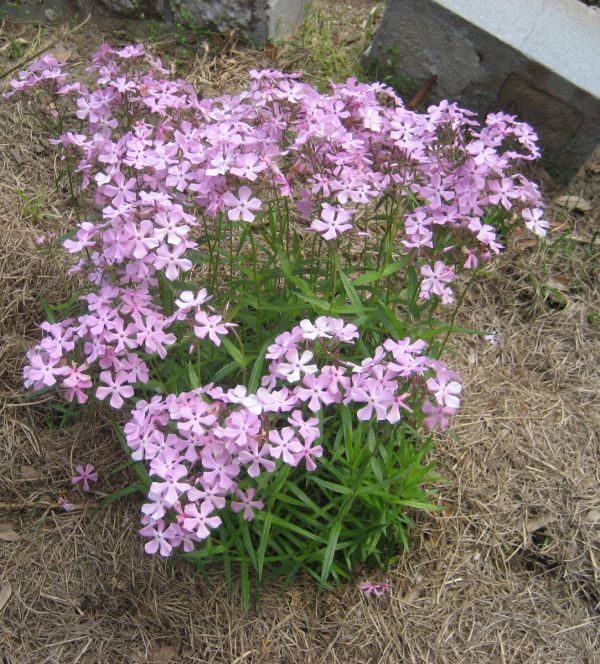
[
  {"x": 235, "y": 352},
  {"x": 264, "y": 541},
  {"x": 353, "y": 296},
  {"x": 48, "y": 310},
  {"x": 286, "y": 525},
  {"x": 257, "y": 369},
  {"x": 226, "y": 370},
  {"x": 122, "y": 492},
  {"x": 193, "y": 376},
  {"x": 334, "y": 535},
  {"x": 245, "y": 577}
]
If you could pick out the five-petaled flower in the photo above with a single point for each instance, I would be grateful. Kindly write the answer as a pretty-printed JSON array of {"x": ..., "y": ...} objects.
[
  {"x": 85, "y": 476},
  {"x": 242, "y": 207}
]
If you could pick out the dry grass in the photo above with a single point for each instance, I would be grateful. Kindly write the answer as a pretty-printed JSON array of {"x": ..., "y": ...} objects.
[{"x": 507, "y": 574}]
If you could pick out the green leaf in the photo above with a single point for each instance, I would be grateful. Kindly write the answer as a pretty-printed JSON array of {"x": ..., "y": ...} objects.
[
  {"x": 420, "y": 505},
  {"x": 245, "y": 577},
  {"x": 336, "y": 488},
  {"x": 391, "y": 268},
  {"x": 376, "y": 275},
  {"x": 367, "y": 278},
  {"x": 235, "y": 352},
  {"x": 315, "y": 301},
  {"x": 347, "y": 430},
  {"x": 124, "y": 491},
  {"x": 205, "y": 552},
  {"x": 287, "y": 270},
  {"x": 334, "y": 535},
  {"x": 257, "y": 368},
  {"x": 48, "y": 310},
  {"x": 264, "y": 541},
  {"x": 193, "y": 376},
  {"x": 286, "y": 525},
  {"x": 353, "y": 296},
  {"x": 226, "y": 370}
]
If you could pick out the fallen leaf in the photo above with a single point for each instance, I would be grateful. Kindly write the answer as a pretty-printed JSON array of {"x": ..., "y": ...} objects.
[
  {"x": 119, "y": 584},
  {"x": 5, "y": 593},
  {"x": 61, "y": 52},
  {"x": 571, "y": 202},
  {"x": 560, "y": 282},
  {"x": 593, "y": 515},
  {"x": 526, "y": 244},
  {"x": 411, "y": 595},
  {"x": 8, "y": 533},
  {"x": 539, "y": 522},
  {"x": 146, "y": 611},
  {"x": 30, "y": 473},
  {"x": 163, "y": 655},
  {"x": 17, "y": 156},
  {"x": 271, "y": 50}
]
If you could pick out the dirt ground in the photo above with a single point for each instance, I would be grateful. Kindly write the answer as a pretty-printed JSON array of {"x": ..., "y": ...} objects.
[{"x": 508, "y": 573}]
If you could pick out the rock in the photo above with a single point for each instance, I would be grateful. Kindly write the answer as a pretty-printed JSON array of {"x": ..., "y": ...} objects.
[
  {"x": 260, "y": 20},
  {"x": 135, "y": 8}
]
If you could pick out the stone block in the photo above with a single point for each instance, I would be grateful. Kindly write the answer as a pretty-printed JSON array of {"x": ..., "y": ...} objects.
[{"x": 538, "y": 59}]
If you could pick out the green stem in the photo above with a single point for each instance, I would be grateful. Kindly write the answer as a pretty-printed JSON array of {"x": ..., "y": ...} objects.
[
  {"x": 457, "y": 308},
  {"x": 334, "y": 267},
  {"x": 258, "y": 325}
]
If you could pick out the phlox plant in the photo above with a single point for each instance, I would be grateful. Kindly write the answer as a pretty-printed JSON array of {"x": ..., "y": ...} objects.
[{"x": 263, "y": 284}]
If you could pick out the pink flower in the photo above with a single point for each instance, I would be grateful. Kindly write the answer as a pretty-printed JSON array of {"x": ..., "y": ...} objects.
[
  {"x": 247, "y": 503},
  {"x": 492, "y": 339},
  {"x": 256, "y": 457},
  {"x": 66, "y": 505},
  {"x": 242, "y": 207},
  {"x": 248, "y": 166},
  {"x": 85, "y": 475},
  {"x": 308, "y": 452},
  {"x": 171, "y": 259},
  {"x": 162, "y": 538},
  {"x": 437, "y": 416},
  {"x": 444, "y": 389},
  {"x": 210, "y": 326},
  {"x": 534, "y": 221},
  {"x": 435, "y": 279},
  {"x": 285, "y": 445},
  {"x": 369, "y": 588},
  {"x": 115, "y": 386},
  {"x": 333, "y": 222},
  {"x": 198, "y": 520},
  {"x": 121, "y": 190},
  {"x": 315, "y": 390},
  {"x": 297, "y": 364},
  {"x": 376, "y": 397},
  {"x": 42, "y": 371},
  {"x": 170, "y": 490}
]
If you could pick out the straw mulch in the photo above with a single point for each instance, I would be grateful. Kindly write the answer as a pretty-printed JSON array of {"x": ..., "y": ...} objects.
[{"x": 507, "y": 573}]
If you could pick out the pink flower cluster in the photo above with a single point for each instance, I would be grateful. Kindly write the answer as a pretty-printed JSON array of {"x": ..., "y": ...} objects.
[
  {"x": 202, "y": 446},
  {"x": 43, "y": 74},
  {"x": 121, "y": 324},
  {"x": 159, "y": 159}
]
